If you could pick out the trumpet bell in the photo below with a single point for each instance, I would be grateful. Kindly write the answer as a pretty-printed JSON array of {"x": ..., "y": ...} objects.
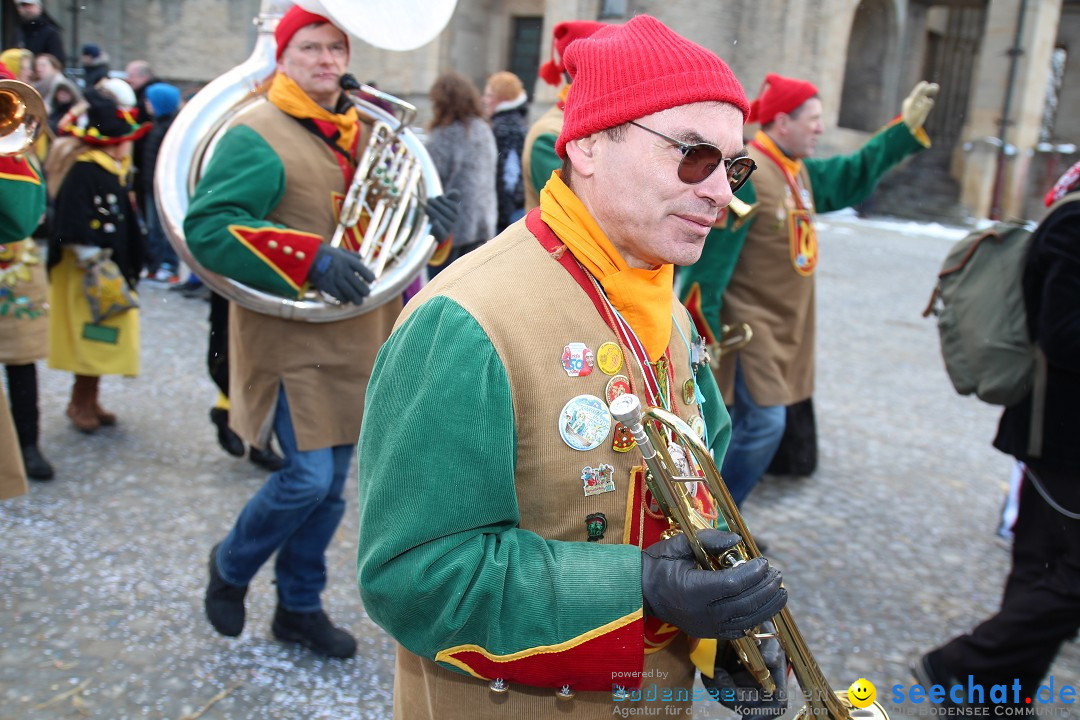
[{"x": 22, "y": 116}]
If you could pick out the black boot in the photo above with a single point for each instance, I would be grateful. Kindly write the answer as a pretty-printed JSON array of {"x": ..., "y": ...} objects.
[
  {"x": 224, "y": 602},
  {"x": 314, "y": 631},
  {"x": 267, "y": 459},
  {"x": 229, "y": 441},
  {"x": 37, "y": 467}
]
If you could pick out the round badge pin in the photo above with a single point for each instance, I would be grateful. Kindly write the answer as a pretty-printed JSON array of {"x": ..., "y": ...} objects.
[
  {"x": 577, "y": 359},
  {"x": 616, "y": 386},
  {"x": 584, "y": 422},
  {"x": 698, "y": 426},
  {"x": 609, "y": 357}
]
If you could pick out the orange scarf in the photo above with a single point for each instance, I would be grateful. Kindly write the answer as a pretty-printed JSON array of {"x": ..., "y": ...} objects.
[
  {"x": 290, "y": 99},
  {"x": 792, "y": 166},
  {"x": 642, "y": 297}
]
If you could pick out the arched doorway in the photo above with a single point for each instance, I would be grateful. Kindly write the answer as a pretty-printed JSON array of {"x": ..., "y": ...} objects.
[{"x": 871, "y": 47}]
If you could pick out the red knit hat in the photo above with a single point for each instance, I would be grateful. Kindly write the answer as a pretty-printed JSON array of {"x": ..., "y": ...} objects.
[
  {"x": 625, "y": 72},
  {"x": 564, "y": 34},
  {"x": 779, "y": 94},
  {"x": 296, "y": 18}
]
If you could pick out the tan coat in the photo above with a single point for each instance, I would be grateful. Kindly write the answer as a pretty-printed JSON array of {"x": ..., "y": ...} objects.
[
  {"x": 324, "y": 366},
  {"x": 24, "y": 339},
  {"x": 529, "y": 317},
  {"x": 551, "y": 123},
  {"x": 779, "y": 362},
  {"x": 12, "y": 473}
]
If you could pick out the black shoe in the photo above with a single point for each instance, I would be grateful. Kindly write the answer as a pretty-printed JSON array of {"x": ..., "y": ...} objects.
[
  {"x": 929, "y": 671},
  {"x": 224, "y": 602},
  {"x": 314, "y": 631},
  {"x": 229, "y": 441},
  {"x": 267, "y": 459},
  {"x": 37, "y": 467}
]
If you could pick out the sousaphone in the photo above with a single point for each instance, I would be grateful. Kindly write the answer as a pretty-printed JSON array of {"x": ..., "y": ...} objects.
[{"x": 394, "y": 178}]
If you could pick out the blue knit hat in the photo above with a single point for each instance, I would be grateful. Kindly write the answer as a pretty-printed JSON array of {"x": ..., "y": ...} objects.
[{"x": 164, "y": 98}]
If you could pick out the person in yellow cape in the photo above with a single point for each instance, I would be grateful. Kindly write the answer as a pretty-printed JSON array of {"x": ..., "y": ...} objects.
[{"x": 499, "y": 499}]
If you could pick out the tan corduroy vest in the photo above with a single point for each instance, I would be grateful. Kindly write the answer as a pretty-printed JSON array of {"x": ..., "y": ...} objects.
[
  {"x": 324, "y": 366},
  {"x": 531, "y": 308},
  {"x": 777, "y": 302},
  {"x": 551, "y": 123}
]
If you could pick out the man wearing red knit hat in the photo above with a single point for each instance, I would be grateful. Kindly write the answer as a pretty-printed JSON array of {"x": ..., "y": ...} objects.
[
  {"x": 539, "y": 156},
  {"x": 507, "y": 538},
  {"x": 263, "y": 214},
  {"x": 758, "y": 265}
]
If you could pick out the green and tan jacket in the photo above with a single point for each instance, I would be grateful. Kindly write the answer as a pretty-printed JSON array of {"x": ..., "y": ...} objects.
[
  {"x": 760, "y": 270},
  {"x": 474, "y": 547},
  {"x": 270, "y": 196},
  {"x": 24, "y": 335},
  {"x": 539, "y": 158}
]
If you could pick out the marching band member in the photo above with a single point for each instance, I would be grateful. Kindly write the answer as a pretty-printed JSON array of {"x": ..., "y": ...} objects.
[{"x": 506, "y": 536}]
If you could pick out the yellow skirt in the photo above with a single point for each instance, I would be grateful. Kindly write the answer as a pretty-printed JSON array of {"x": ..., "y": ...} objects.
[{"x": 76, "y": 344}]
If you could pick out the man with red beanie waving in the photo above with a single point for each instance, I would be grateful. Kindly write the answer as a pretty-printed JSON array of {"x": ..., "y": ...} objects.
[
  {"x": 507, "y": 538},
  {"x": 539, "y": 158},
  {"x": 263, "y": 214},
  {"x": 758, "y": 265}
]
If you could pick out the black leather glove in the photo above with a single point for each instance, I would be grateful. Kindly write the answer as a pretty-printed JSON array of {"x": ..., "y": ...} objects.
[
  {"x": 735, "y": 688},
  {"x": 340, "y": 274},
  {"x": 443, "y": 211},
  {"x": 708, "y": 603}
]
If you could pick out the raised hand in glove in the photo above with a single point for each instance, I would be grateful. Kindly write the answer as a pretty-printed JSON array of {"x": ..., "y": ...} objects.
[
  {"x": 735, "y": 688},
  {"x": 708, "y": 603},
  {"x": 443, "y": 213},
  {"x": 918, "y": 104},
  {"x": 340, "y": 274}
]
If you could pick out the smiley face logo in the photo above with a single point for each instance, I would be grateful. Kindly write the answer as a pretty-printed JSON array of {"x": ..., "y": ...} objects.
[{"x": 862, "y": 693}]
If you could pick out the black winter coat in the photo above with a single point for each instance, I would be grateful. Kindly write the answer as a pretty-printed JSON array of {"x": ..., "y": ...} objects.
[
  {"x": 41, "y": 35},
  {"x": 510, "y": 130},
  {"x": 1051, "y": 285}
]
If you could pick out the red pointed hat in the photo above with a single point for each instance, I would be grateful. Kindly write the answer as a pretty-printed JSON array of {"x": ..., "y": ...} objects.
[
  {"x": 296, "y": 18},
  {"x": 564, "y": 34},
  {"x": 779, "y": 94},
  {"x": 625, "y": 72}
]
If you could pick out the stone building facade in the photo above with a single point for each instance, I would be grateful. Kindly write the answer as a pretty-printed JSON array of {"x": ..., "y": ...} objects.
[{"x": 990, "y": 56}]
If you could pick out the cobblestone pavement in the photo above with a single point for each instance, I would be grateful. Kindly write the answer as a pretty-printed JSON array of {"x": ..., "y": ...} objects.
[{"x": 889, "y": 549}]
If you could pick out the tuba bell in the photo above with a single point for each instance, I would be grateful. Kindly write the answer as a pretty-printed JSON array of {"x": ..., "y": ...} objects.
[
  {"x": 22, "y": 117},
  {"x": 394, "y": 177},
  {"x": 667, "y": 479}
]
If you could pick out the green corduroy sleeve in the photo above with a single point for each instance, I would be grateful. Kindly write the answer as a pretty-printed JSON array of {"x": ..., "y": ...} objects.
[
  {"x": 543, "y": 160},
  {"x": 441, "y": 560},
  {"x": 844, "y": 180},
  {"x": 712, "y": 272},
  {"x": 22, "y": 197},
  {"x": 243, "y": 183}
]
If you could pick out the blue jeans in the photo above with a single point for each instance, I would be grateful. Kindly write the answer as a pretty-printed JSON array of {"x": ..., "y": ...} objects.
[
  {"x": 756, "y": 432},
  {"x": 158, "y": 247},
  {"x": 294, "y": 513}
]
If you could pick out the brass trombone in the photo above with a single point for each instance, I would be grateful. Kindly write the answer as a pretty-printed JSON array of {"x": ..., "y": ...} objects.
[
  {"x": 22, "y": 117},
  {"x": 668, "y": 483}
]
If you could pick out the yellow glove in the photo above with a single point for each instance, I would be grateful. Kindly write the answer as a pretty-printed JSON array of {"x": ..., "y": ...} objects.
[{"x": 918, "y": 104}]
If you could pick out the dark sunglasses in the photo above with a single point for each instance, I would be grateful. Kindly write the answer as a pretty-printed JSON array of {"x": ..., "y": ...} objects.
[{"x": 701, "y": 159}]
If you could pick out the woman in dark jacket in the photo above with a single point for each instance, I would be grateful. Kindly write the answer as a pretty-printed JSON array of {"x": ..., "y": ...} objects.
[
  {"x": 505, "y": 103},
  {"x": 1040, "y": 608}
]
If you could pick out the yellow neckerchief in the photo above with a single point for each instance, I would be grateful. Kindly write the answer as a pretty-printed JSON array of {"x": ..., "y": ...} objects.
[
  {"x": 289, "y": 98},
  {"x": 794, "y": 167},
  {"x": 561, "y": 102},
  {"x": 642, "y": 297},
  {"x": 119, "y": 168}
]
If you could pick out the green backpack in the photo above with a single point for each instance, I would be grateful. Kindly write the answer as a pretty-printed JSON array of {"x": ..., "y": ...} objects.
[{"x": 981, "y": 319}]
